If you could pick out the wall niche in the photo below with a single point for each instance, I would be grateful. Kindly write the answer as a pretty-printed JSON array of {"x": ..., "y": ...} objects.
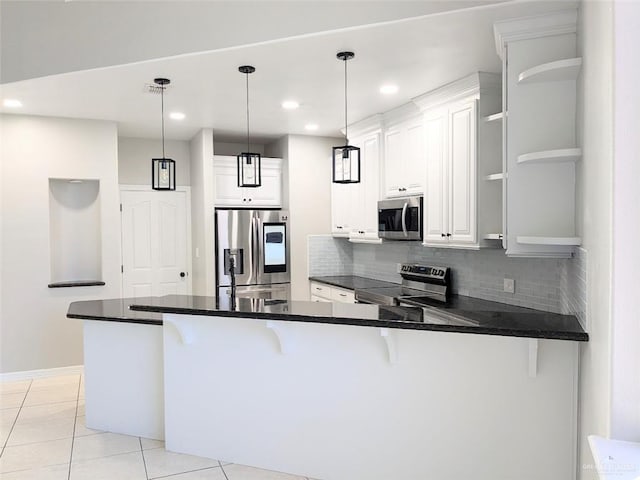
[{"x": 75, "y": 232}]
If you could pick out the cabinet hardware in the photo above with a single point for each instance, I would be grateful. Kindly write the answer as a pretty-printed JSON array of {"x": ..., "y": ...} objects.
[
  {"x": 442, "y": 235},
  {"x": 343, "y": 294},
  {"x": 339, "y": 227},
  {"x": 244, "y": 199},
  {"x": 448, "y": 234}
]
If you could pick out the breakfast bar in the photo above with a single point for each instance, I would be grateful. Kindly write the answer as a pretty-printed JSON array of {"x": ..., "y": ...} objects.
[{"x": 383, "y": 392}]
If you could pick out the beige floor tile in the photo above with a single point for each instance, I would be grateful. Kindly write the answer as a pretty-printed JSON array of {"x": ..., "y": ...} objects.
[
  {"x": 103, "y": 445},
  {"x": 242, "y": 472},
  {"x": 58, "y": 394},
  {"x": 5, "y": 430},
  {"x": 60, "y": 380},
  {"x": 20, "y": 386},
  {"x": 81, "y": 428},
  {"x": 35, "y": 432},
  {"x": 81, "y": 410},
  {"x": 47, "y": 412},
  {"x": 55, "y": 472},
  {"x": 206, "y": 474},
  {"x": 128, "y": 466},
  {"x": 11, "y": 400},
  {"x": 35, "y": 455},
  {"x": 161, "y": 463},
  {"x": 149, "y": 443},
  {"x": 8, "y": 416}
]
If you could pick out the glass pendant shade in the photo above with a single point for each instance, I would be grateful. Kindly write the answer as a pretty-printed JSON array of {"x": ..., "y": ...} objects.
[
  {"x": 346, "y": 164},
  {"x": 163, "y": 174},
  {"x": 249, "y": 170}
]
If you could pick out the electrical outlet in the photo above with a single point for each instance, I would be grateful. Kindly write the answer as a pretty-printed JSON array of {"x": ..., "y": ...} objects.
[
  {"x": 398, "y": 268},
  {"x": 509, "y": 285}
]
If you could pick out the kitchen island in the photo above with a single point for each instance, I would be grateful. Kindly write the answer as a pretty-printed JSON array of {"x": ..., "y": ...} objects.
[{"x": 337, "y": 391}]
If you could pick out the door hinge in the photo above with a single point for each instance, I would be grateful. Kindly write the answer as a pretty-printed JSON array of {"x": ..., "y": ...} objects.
[
  {"x": 121, "y": 268},
  {"x": 120, "y": 207}
]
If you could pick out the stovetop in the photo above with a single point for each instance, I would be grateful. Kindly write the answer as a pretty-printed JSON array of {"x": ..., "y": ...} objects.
[{"x": 386, "y": 295}]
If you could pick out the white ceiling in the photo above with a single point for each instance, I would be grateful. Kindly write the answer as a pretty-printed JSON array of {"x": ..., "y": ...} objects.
[{"x": 417, "y": 54}]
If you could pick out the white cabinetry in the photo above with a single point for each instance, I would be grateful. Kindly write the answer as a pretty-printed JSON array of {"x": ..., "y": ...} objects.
[
  {"x": 321, "y": 292},
  {"x": 540, "y": 69},
  {"x": 354, "y": 210},
  {"x": 228, "y": 194},
  {"x": 404, "y": 158},
  {"x": 461, "y": 208}
]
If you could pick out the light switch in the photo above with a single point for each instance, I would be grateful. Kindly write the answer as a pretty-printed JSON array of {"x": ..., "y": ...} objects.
[{"x": 509, "y": 285}]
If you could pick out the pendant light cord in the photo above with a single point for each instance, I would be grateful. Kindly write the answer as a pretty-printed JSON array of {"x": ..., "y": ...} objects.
[
  {"x": 346, "y": 135},
  {"x": 162, "y": 103},
  {"x": 248, "y": 145}
]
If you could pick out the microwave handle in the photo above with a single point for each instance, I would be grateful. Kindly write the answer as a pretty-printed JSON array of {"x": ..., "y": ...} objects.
[{"x": 404, "y": 219}]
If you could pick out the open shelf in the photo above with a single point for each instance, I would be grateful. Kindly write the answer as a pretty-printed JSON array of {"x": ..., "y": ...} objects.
[
  {"x": 569, "y": 241},
  {"x": 566, "y": 69},
  {"x": 492, "y": 236},
  {"x": 77, "y": 283},
  {"x": 495, "y": 117},
  {"x": 496, "y": 176},
  {"x": 551, "y": 156}
]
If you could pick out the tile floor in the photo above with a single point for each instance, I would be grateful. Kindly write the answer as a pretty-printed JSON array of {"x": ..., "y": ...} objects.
[{"x": 43, "y": 437}]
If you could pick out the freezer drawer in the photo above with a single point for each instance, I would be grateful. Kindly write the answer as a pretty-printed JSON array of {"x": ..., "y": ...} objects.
[{"x": 268, "y": 292}]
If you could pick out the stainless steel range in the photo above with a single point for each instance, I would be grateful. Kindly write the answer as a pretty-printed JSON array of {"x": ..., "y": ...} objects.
[{"x": 418, "y": 282}]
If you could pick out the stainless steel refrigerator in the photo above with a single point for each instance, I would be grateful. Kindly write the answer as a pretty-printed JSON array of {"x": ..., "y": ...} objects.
[{"x": 258, "y": 242}]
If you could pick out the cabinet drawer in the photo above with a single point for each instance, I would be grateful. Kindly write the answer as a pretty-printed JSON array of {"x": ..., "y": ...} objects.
[
  {"x": 315, "y": 298},
  {"x": 342, "y": 295},
  {"x": 321, "y": 290}
]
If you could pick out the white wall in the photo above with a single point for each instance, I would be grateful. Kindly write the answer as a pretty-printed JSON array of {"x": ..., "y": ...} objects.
[
  {"x": 231, "y": 148},
  {"x": 594, "y": 178},
  {"x": 625, "y": 392},
  {"x": 308, "y": 177},
  {"x": 202, "y": 206},
  {"x": 135, "y": 154},
  {"x": 35, "y": 332}
]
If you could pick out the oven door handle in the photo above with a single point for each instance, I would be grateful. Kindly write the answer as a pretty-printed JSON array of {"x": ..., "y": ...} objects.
[{"x": 404, "y": 219}]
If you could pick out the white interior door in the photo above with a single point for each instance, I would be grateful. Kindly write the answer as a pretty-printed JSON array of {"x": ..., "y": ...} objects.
[{"x": 155, "y": 248}]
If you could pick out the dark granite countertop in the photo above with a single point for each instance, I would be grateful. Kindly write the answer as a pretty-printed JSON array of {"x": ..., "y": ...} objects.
[
  {"x": 511, "y": 321},
  {"x": 352, "y": 282}
]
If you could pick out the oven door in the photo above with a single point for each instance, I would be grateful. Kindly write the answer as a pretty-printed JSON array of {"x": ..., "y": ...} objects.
[{"x": 400, "y": 218}]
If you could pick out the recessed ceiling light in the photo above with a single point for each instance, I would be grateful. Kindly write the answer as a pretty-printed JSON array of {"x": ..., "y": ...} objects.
[
  {"x": 177, "y": 115},
  {"x": 12, "y": 103},
  {"x": 290, "y": 104},
  {"x": 311, "y": 127},
  {"x": 388, "y": 89}
]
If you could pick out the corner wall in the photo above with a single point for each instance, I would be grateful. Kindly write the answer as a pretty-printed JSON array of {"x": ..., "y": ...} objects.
[
  {"x": 595, "y": 190},
  {"x": 35, "y": 333}
]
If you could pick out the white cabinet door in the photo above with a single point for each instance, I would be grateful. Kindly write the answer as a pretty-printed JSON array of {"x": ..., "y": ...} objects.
[
  {"x": 462, "y": 176},
  {"x": 342, "y": 201},
  {"x": 228, "y": 194},
  {"x": 414, "y": 162},
  {"x": 371, "y": 187},
  {"x": 436, "y": 216},
  {"x": 393, "y": 163}
]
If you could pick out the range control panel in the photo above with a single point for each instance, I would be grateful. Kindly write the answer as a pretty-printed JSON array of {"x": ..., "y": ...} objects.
[{"x": 425, "y": 271}]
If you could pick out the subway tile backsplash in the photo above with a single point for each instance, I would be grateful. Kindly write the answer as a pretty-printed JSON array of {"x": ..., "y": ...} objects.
[{"x": 555, "y": 285}]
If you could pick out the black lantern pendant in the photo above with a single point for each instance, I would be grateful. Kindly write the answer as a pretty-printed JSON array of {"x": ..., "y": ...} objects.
[
  {"x": 163, "y": 170},
  {"x": 248, "y": 163},
  {"x": 346, "y": 159}
]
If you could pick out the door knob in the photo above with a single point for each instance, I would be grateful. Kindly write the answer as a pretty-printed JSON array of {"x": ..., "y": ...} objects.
[{"x": 182, "y": 274}]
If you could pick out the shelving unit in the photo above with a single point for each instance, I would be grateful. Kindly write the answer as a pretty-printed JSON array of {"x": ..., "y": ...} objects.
[
  {"x": 495, "y": 117},
  {"x": 535, "y": 240},
  {"x": 552, "y": 156},
  {"x": 496, "y": 176},
  {"x": 559, "y": 70}
]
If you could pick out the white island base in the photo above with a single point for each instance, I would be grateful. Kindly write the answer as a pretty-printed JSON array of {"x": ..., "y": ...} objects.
[{"x": 340, "y": 402}]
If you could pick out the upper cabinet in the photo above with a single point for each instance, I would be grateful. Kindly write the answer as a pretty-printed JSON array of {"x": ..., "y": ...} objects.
[
  {"x": 540, "y": 69},
  {"x": 462, "y": 208},
  {"x": 228, "y": 194},
  {"x": 354, "y": 209},
  {"x": 403, "y": 153}
]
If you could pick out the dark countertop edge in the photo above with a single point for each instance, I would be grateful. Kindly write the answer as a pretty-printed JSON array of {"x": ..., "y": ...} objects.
[
  {"x": 142, "y": 321},
  {"x": 398, "y": 324},
  {"x": 336, "y": 283}
]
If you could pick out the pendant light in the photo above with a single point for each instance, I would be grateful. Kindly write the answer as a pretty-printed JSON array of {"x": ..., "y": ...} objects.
[
  {"x": 248, "y": 163},
  {"x": 163, "y": 170},
  {"x": 346, "y": 159}
]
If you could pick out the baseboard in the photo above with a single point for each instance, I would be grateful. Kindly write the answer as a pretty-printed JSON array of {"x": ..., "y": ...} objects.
[{"x": 42, "y": 373}]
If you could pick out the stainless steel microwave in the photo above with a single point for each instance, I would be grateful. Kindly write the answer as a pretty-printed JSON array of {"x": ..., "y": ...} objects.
[{"x": 400, "y": 218}]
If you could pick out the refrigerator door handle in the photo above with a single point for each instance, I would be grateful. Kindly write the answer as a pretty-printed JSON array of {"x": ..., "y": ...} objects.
[{"x": 255, "y": 247}]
